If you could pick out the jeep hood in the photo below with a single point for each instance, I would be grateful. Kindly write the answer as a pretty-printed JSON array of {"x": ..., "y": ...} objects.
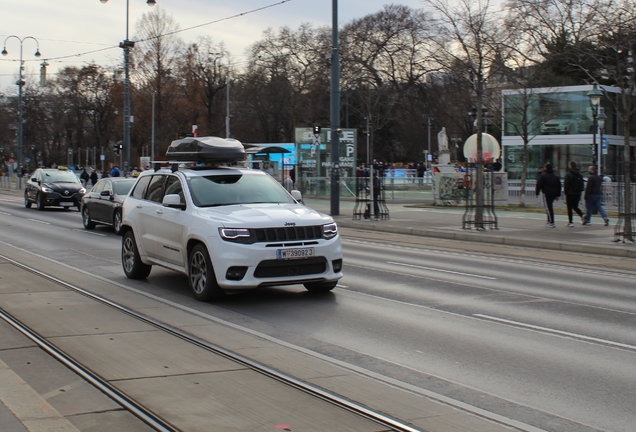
[{"x": 264, "y": 215}]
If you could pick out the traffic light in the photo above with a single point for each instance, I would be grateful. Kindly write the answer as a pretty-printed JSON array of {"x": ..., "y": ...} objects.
[
  {"x": 316, "y": 130},
  {"x": 118, "y": 147}
]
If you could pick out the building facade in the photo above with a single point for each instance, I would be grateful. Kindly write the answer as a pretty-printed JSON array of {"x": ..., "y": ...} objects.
[{"x": 560, "y": 125}]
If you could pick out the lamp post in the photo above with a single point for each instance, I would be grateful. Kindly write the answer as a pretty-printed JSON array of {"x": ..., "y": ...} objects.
[
  {"x": 126, "y": 45},
  {"x": 600, "y": 118},
  {"x": 595, "y": 101},
  {"x": 428, "y": 120},
  {"x": 20, "y": 83}
]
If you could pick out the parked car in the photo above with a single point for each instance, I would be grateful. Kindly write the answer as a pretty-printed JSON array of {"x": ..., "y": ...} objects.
[
  {"x": 102, "y": 204},
  {"x": 53, "y": 187},
  {"x": 227, "y": 228},
  {"x": 568, "y": 123}
]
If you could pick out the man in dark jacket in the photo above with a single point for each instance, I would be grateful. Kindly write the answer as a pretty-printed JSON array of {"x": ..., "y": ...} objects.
[
  {"x": 594, "y": 197},
  {"x": 550, "y": 184},
  {"x": 573, "y": 185}
]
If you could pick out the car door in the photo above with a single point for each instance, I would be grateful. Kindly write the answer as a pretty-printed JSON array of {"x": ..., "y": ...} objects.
[
  {"x": 91, "y": 199},
  {"x": 32, "y": 185},
  {"x": 102, "y": 202},
  {"x": 169, "y": 225},
  {"x": 148, "y": 225}
]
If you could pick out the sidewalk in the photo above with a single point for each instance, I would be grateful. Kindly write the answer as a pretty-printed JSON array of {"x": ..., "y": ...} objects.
[{"x": 515, "y": 228}]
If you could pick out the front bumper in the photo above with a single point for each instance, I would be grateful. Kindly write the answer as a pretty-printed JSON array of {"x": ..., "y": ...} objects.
[{"x": 239, "y": 266}]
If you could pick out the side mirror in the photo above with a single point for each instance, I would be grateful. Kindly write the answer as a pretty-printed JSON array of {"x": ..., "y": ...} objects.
[
  {"x": 105, "y": 193},
  {"x": 34, "y": 180},
  {"x": 173, "y": 201},
  {"x": 298, "y": 196}
]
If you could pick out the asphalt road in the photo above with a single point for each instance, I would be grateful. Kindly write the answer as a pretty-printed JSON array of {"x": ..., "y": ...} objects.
[{"x": 548, "y": 343}]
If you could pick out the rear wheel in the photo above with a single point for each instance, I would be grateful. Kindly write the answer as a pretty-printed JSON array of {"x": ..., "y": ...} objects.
[
  {"x": 27, "y": 203},
  {"x": 117, "y": 221},
  {"x": 201, "y": 276},
  {"x": 130, "y": 260},
  {"x": 86, "y": 219},
  {"x": 320, "y": 286}
]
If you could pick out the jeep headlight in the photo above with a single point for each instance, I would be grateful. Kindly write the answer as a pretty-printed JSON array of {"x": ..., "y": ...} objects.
[
  {"x": 236, "y": 235},
  {"x": 329, "y": 230}
]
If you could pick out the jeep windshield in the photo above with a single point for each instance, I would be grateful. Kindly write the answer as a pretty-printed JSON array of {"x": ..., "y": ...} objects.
[{"x": 236, "y": 188}]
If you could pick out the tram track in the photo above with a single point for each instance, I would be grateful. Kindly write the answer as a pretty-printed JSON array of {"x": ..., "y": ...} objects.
[{"x": 151, "y": 417}]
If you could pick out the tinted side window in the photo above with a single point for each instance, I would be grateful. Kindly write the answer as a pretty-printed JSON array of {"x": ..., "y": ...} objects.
[
  {"x": 155, "y": 188},
  {"x": 140, "y": 187}
]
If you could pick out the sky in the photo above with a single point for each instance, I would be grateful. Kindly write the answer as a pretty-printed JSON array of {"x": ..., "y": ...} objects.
[{"x": 72, "y": 28}]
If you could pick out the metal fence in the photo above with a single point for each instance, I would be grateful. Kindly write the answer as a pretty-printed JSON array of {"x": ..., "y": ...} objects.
[{"x": 611, "y": 194}]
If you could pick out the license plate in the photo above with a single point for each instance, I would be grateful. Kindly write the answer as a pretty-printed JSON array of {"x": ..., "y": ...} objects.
[
  {"x": 66, "y": 204},
  {"x": 295, "y": 253}
]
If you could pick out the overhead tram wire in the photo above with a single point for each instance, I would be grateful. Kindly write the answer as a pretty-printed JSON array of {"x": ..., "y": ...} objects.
[{"x": 241, "y": 14}]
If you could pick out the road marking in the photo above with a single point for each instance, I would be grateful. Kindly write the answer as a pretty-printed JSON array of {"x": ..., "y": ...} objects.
[
  {"x": 89, "y": 232},
  {"x": 4, "y": 213},
  {"x": 442, "y": 271},
  {"x": 39, "y": 221},
  {"x": 557, "y": 332}
]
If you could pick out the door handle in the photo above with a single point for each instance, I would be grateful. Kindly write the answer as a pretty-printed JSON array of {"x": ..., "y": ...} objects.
[
  {"x": 138, "y": 205},
  {"x": 159, "y": 211}
]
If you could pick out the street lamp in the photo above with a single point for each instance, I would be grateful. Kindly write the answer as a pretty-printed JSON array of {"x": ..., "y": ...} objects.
[
  {"x": 20, "y": 83},
  {"x": 428, "y": 154},
  {"x": 126, "y": 45},
  {"x": 595, "y": 101}
]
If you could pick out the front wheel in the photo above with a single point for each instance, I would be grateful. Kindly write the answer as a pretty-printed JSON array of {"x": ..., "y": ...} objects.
[
  {"x": 201, "y": 276},
  {"x": 86, "y": 218},
  {"x": 39, "y": 202},
  {"x": 320, "y": 286},
  {"x": 117, "y": 221},
  {"x": 130, "y": 260},
  {"x": 27, "y": 203}
]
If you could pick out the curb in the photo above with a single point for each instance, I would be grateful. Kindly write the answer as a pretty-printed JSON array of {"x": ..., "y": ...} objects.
[{"x": 505, "y": 241}]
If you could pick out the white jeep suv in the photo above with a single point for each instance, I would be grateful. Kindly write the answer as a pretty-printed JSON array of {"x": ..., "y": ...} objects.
[{"x": 227, "y": 228}]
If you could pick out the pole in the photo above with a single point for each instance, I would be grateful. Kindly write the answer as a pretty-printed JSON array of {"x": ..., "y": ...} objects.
[
  {"x": 227, "y": 108},
  {"x": 152, "y": 137},
  {"x": 370, "y": 168},
  {"x": 594, "y": 148},
  {"x": 20, "y": 120},
  {"x": 335, "y": 115},
  {"x": 126, "y": 45},
  {"x": 20, "y": 83}
]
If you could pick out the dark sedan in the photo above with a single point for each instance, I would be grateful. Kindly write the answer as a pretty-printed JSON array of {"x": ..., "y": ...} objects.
[
  {"x": 102, "y": 204},
  {"x": 53, "y": 187}
]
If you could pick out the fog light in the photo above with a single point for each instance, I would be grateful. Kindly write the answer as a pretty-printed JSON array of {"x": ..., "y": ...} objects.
[
  {"x": 235, "y": 273},
  {"x": 337, "y": 265}
]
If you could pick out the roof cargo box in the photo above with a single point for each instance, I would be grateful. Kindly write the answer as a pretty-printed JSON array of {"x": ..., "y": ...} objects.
[{"x": 206, "y": 149}]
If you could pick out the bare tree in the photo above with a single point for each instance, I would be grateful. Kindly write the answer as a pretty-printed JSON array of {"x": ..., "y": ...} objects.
[
  {"x": 469, "y": 36},
  {"x": 385, "y": 56},
  {"x": 616, "y": 27}
]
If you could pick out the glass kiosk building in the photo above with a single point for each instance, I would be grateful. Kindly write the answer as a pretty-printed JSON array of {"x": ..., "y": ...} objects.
[{"x": 560, "y": 129}]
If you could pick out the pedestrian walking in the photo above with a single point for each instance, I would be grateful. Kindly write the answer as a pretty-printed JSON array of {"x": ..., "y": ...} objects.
[
  {"x": 573, "y": 186},
  {"x": 594, "y": 197},
  {"x": 94, "y": 177},
  {"x": 550, "y": 184},
  {"x": 85, "y": 177}
]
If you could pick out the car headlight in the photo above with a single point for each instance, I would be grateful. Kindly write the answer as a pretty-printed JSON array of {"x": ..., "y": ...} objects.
[
  {"x": 46, "y": 189},
  {"x": 82, "y": 191},
  {"x": 236, "y": 235},
  {"x": 330, "y": 230}
]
